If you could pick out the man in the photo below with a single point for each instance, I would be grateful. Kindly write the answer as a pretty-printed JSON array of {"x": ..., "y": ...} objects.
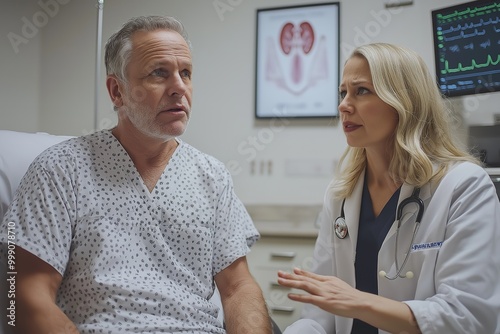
[{"x": 127, "y": 230}]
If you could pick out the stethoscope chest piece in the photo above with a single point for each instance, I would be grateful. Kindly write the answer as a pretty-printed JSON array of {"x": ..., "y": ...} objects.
[{"x": 340, "y": 227}]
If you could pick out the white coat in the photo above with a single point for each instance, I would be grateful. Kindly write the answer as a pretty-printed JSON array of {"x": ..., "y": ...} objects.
[{"x": 456, "y": 284}]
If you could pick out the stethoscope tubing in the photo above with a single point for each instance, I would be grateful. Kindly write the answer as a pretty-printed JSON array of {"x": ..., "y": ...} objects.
[{"x": 341, "y": 230}]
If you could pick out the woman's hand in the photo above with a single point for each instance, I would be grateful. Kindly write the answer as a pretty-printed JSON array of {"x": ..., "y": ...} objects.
[
  {"x": 327, "y": 292},
  {"x": 333, "y": 295}
]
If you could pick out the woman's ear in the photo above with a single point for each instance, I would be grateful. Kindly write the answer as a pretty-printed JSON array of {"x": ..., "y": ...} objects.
[{"x": 114, "y": 87}]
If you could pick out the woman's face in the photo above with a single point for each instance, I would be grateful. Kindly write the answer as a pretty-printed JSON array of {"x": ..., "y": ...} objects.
[{"x": 367, "y": 121}]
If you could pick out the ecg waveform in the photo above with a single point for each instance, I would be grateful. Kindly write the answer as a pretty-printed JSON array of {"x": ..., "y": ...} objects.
[
  {"x": 474, "y": 65},
  {"x": 468, "y": 11},
  {"x": 463, "y": 35},
  {"x": 471, "y": 25}
]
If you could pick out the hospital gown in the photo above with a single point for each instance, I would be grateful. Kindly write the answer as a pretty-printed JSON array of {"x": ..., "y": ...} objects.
[{"x": 132, "y": 260}]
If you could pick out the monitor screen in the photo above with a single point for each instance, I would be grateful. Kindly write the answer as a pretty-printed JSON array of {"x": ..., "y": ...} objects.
[{"x": 467, "y": 47}]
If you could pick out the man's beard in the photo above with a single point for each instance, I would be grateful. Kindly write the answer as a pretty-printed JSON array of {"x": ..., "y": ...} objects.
[{"x": 143, "y": 121}]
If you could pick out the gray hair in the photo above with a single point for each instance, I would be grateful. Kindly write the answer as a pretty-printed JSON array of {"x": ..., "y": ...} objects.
[{"x": 119, "y": 45}]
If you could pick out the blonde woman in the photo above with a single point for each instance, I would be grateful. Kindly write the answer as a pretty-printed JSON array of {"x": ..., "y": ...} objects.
[{"x": 410, "y": 235}]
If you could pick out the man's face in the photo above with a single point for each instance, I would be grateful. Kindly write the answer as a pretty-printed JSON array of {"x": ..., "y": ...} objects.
[{"x": 157, "y": 98}]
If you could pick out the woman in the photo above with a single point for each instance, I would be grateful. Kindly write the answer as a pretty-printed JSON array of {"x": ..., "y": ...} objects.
[{"x": 438, "y": 272}]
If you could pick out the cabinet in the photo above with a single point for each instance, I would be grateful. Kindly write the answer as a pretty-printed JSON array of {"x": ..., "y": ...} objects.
[
  {"x": 283, "y": 246},
  {"x": 495, "y": 177}
]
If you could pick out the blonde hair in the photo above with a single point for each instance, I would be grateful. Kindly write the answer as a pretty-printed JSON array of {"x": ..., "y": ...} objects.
[{"x": 424, "y": 144}]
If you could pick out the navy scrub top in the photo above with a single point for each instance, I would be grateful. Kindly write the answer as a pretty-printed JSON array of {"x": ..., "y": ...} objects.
[{"x": 371, "y": 234}]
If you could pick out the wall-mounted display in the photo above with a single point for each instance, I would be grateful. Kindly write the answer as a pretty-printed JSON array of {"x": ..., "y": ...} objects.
[
  {"x": 297, "y": 61},
  {"x": 467, "y": 47}
]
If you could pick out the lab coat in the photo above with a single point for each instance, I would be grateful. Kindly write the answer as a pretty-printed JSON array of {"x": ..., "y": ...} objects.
[{"x": 455, "y": 261}]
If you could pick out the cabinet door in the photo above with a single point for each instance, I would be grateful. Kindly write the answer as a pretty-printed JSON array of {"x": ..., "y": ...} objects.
[{"x": 271, "y": 254}]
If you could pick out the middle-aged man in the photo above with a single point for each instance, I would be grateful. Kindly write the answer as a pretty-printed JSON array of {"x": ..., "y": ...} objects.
[{"x": 128, "y": 230}]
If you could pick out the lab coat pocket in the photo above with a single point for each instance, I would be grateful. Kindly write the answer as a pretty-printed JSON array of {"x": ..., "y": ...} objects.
[{"x": 417, "y": 273}]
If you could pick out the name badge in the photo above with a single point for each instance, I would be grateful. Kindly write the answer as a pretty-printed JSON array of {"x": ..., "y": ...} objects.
[{"x": 426, "y": 246}]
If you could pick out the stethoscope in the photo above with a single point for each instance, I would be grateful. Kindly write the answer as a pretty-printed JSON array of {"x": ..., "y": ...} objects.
[{"x": 341, "y": 231}]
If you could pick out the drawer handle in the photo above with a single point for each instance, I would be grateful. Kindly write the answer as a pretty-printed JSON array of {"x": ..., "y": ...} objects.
[
  {"x": 287, "y": 309},
  {"x": 495, "y": 179},
  {"x": 289, "y": 255}
]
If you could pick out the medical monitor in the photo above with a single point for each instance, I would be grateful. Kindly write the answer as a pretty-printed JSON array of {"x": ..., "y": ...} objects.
[{"x": 467, "y": 47}]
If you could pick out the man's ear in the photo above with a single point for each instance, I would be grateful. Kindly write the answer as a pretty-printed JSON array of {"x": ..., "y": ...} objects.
[{"x": 114, "y": 86}]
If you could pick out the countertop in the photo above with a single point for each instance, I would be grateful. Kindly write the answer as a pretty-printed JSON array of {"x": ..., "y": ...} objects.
[
  {"x": 285, "y": 220},
  {"x": 493, "y": 170}
]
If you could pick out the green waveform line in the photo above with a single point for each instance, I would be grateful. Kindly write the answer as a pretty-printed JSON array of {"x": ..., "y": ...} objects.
[
  {"x": 473, "y": 66},
  {"x": 469, "y": 11}
]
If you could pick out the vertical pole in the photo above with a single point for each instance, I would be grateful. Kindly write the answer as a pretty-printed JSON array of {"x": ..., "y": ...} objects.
[{"x": 100, "y": 5}]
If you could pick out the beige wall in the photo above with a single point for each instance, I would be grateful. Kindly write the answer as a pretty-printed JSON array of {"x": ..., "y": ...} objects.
[
  {"x": 20, "y": 58},
  {"x": 60, "y": 98}
]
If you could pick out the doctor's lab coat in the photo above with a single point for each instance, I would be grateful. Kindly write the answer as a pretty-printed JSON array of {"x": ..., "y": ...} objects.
[{"x": 455, "y": 257}]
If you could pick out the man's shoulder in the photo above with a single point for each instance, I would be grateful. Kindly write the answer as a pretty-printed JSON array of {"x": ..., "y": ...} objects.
[
  {"x": 75, "y": 148},
  {"x": 192, "y": 153}
]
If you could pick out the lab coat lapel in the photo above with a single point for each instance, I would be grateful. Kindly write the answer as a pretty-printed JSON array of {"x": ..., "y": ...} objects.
[
  {"x": 345, "y": 249},
  {"x": 352, "y": 208},
  {"x": 410, "y": 210},
  {"x": 401, "y": 289},
  {"x": 406, "y": 191}
]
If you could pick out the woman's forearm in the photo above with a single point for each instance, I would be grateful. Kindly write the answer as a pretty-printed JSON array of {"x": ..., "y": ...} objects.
[{"x": 388, "y": 315}]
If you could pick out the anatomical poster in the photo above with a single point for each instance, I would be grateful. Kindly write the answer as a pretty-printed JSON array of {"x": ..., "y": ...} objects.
[{"x": 297, "y": 65}]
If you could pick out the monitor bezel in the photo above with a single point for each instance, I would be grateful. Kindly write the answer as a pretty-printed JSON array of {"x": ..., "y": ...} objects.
[{"x": 464, "y": 92}]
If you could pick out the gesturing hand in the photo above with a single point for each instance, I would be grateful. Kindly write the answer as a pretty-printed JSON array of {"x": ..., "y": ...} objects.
[{"x": 327, "y": 292}]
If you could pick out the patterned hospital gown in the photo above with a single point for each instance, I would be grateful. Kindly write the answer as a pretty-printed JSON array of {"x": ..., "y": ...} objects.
[{"x": 133, "y": 261}]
